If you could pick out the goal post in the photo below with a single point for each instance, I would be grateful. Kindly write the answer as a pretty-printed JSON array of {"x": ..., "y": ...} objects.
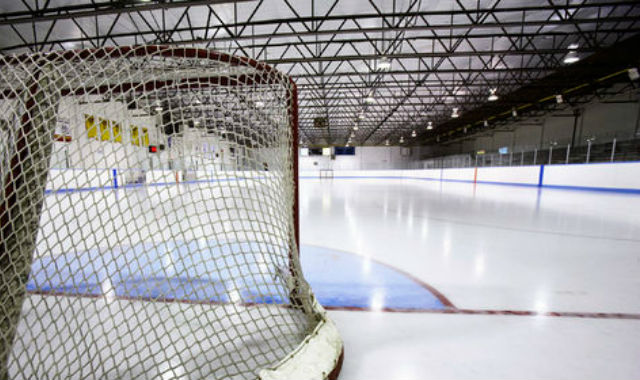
[{"x": 149, "y": 220}]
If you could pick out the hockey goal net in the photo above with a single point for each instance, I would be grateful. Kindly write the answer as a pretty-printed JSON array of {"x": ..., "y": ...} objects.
[{"x": 148, "y": 220}]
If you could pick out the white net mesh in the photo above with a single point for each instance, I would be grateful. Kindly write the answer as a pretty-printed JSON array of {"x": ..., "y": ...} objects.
[{"x": 147, "y": 216}]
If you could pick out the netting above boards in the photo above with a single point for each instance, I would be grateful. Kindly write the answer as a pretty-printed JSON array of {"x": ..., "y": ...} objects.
[{"x": 148, "y": 220}]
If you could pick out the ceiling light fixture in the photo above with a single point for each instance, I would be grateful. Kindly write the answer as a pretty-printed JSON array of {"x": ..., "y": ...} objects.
[
  {"x": 514, "y": 112},
  {"x": 369, "y": 99},
  {"x": 413, "y": 133},
  {"x": 401, "y": 139},
  {"x": 384, "y": 64},
  {"x": 559, "y": 99},
  {"x": 70, "y": 45},
  {"x": 355, "y": 127},
  {"x": 633, "y": 73},
  {"x": 430, "y": 125},
  {"x": 572, "y": 55},
  {"x": 486, "y": 123},
  {"x": 386, "y": 142},
  {"x": 454, "y": 113},
  {"x": 492, "y": 95}
]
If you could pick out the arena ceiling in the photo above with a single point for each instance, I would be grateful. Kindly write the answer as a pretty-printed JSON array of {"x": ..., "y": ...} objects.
[{"x": 385, "y": 67}]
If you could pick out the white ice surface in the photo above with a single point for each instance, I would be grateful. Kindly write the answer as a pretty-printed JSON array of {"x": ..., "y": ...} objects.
[{"x": 487, "y": 247}]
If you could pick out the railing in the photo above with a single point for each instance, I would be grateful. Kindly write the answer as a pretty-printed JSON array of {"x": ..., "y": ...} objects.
[{"x": 553, "y": 153}]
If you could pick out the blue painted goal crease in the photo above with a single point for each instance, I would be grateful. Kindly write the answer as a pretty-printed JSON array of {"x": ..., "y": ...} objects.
[{"x": 199, "y": 272}]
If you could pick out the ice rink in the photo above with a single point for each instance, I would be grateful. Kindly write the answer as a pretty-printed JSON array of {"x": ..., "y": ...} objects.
[
  {"x": 319, "y": 190},
  {"x": 444, "y": 280},
  {"x": 542, "y": 283}
]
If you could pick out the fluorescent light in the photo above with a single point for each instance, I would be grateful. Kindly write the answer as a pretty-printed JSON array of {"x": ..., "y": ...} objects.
[
  {"x": 492, "y": 95},
  {"x": 157, "y": 108}
]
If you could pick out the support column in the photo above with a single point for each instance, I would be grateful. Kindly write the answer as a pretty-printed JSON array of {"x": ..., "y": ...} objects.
[{"x": 576, "y": 115}]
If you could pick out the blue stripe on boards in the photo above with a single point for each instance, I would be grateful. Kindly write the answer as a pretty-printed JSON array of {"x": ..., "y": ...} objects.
[
  {"x": 540, "y": 183},
  {"x": 115, "y": 178}
]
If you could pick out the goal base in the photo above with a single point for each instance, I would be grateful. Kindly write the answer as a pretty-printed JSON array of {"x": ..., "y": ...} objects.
[{"x": 319, "y": 356}]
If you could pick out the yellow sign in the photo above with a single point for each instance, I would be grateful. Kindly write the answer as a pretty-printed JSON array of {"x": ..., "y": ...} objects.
[{"x": 90, "y": 125}]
